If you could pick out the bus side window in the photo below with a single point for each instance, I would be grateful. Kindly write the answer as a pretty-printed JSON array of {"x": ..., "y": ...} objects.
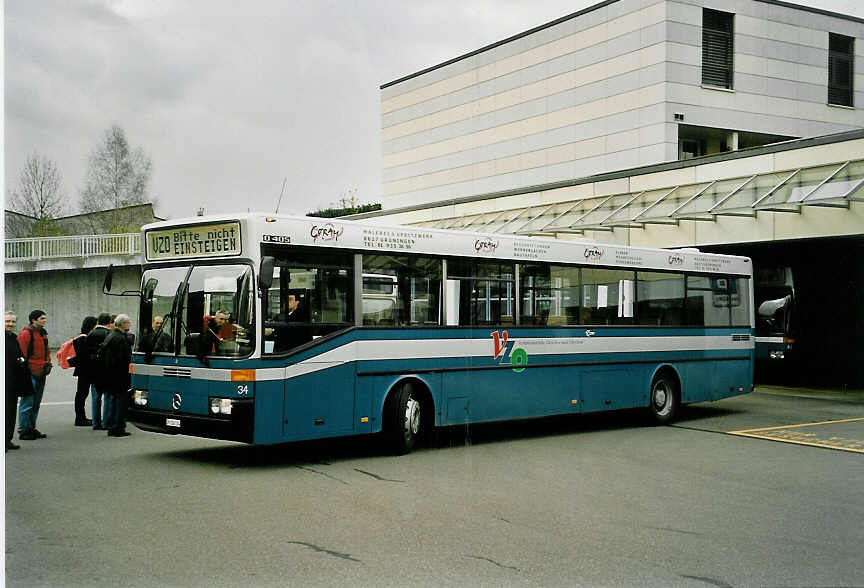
[
  {"x": 607, "y": 296},
  {"x": 660, "y": 299},
  {"x": 312, "y": 297},
  {"x": 486, "y": 292},
  {"x": 740, "y": 288},
  {"x": 401, "y": 290},
  {"x": 707, "y": 302}
]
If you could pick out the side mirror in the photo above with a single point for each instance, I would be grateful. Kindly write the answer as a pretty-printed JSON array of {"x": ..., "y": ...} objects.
[
  {"x": 265, "y": 273},
  {"x": 149, "y": 289},
  {"x": 106, "y": 285},
  {"x": 109, "y": 277}
]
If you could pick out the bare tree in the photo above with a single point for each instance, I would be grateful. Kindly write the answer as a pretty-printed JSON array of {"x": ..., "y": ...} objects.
[
  {"x": 39, "y": 194},
  {"x": 118, "y": 176}
]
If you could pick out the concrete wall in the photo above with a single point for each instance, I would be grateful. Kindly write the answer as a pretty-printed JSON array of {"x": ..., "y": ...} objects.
[
  {"x": 67, "y": 296},
  {"x": 598, "y": 92},
  {"x": 780, "y": 70}
]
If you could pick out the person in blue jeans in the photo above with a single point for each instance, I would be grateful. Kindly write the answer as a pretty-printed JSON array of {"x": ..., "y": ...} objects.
[
  {"x": 94, "y": 371},
  {"x": 28, "y": 411},
  {"x": 33, "y": 341}
]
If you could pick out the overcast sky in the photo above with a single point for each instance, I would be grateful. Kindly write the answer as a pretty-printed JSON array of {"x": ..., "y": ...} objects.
[{"x": 229, "y": 98}]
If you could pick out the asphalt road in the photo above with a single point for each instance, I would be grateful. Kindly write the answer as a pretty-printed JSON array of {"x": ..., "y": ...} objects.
[{"x": 592, "y": 501}]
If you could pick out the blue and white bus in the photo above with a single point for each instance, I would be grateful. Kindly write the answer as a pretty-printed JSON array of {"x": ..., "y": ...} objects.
[{"x": 273, "y": 329}]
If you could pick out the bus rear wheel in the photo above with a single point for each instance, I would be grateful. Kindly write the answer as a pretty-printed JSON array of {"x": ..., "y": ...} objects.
[
  {"x": 664, "y": 399},
  {"x": 404, "y": 420}
]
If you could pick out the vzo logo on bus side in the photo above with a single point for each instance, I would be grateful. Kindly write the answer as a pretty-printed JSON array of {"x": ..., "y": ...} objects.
[{"x": 503, "y": 348}]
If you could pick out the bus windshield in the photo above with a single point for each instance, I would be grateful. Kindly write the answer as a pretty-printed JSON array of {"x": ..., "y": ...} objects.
[
  {"x": 207, "y": 310},
  {"x": 773, "y": 316}
]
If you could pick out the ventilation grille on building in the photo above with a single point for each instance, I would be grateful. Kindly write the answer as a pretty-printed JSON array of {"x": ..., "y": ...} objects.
[
  {"x": 840, "y": 69},
  {"x": 717, "y": 48}
]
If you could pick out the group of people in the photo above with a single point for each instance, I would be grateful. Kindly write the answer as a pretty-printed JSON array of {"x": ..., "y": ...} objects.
[{"x": 103, "y": 352}]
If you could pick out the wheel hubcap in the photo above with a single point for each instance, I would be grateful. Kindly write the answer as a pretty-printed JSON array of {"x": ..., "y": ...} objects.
[
  {"x": 661, "y": 397},
  {"x": 412, "y": 417}
]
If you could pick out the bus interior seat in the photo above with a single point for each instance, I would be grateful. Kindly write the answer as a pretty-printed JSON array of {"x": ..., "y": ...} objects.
[
  {"x": 543, "y": 319},
  {"x": 192, "y": 343}
]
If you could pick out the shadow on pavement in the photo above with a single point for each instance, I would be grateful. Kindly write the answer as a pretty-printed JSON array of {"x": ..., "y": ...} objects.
[
  {"x": 328, "y": 451},
  {"x": 695, "y": 412}
]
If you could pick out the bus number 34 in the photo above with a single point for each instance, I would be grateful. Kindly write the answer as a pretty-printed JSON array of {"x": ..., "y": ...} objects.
[{"x": 242, "y": 389}]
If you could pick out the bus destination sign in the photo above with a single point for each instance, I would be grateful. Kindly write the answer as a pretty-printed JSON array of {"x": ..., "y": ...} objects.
[{"x": 195, "y": 241}]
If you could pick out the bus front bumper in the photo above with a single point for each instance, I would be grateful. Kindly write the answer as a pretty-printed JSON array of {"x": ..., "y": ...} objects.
[{"x": 237, "y": 427}]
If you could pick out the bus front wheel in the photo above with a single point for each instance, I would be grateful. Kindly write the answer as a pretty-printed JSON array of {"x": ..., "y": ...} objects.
[
  {"x": 665, "y": 398},
  {"x": 404, "y": 419}
]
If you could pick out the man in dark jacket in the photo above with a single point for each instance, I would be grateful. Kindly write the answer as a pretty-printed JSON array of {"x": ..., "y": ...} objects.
[
  {"x": 156, "y": 340},
  {"x": 33, "y": 341},
  {"x": 94, "y": 371},
  {"x": 17, "y": 377},
  {"x": 116, "y": 357}
]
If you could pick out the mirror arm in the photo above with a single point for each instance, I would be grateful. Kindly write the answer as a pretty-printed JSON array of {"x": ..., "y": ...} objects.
[
  {"x": 124, "y": 293},
  {"x": 109, "y": 279}
]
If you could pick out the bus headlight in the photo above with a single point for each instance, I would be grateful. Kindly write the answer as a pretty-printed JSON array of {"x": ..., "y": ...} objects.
[
  {"x": 220, "y": 406},
  {"x": 139, "y": 397}
]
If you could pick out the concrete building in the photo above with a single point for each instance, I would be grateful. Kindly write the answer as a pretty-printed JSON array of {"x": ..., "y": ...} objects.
[
  {"x": 623, "y": 84},
  {"x": 732, "y": 126}
]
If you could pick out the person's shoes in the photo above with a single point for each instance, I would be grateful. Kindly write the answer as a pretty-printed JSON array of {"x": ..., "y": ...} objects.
[
  {"x": 27, "y": 436},
  {"x": 39, "y": 434},
  {"x": 119, "y": 433},
  {"x": 98, "y": 428},
  {"x": 83, "y": 423},
  {"x": 10, "y": 445}
]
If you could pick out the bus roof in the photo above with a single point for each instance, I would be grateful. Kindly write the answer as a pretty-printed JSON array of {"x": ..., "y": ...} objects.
[{"x": 338, "y": 233}]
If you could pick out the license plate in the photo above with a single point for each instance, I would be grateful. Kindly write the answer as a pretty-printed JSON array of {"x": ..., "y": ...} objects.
[{"x": 172, "y": 423}]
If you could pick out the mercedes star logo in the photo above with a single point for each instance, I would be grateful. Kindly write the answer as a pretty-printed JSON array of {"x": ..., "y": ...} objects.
[{"x": 178, "y": 400}]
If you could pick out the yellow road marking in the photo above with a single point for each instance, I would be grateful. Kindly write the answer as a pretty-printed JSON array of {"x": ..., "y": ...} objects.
[
  {"x": 795, "y": 426},
  {"x": 800, "y": 438},
  {"x": 781, "y": 439}
]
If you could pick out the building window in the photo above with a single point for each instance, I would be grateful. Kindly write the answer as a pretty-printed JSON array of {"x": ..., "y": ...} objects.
[
  {"x": 840, "y": 69},
  {"x": 717, "y": 48},
  {"x": 690, "y": 148}
]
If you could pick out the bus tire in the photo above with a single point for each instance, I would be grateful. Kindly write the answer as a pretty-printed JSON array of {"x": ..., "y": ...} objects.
[
  {"x": 404, "y": 419},
  {"x": 664, "y": 398}
]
